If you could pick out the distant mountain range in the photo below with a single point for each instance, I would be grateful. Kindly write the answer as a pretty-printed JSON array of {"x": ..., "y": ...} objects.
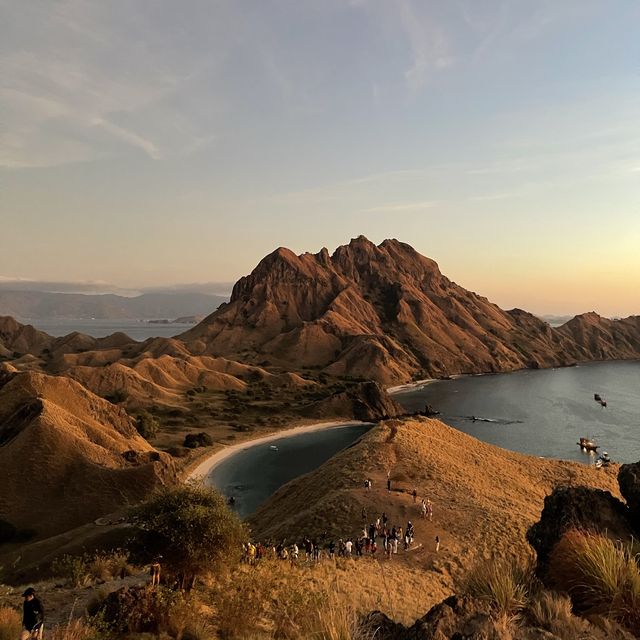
[{"x": 39, "y": 305}]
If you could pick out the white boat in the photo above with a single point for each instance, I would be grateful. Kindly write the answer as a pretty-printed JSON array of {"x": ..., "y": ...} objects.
[{"x": 273, "y": 447}]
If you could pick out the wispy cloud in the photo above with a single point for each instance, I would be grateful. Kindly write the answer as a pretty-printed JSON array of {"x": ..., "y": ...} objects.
[{"x": 401, "y": 207}]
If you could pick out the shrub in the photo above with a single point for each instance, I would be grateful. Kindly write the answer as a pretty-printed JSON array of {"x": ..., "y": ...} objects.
[
  {"x": 118, "y": 396},
  {"x": 147, "y": 425},
  {"x": 72, "y": 569},
  {"x": 600, "y": 575},
  {"x": 195, "y": 440},
  {"x": 191, "y": 527},
  {"x": 106, "y": 566},
  {"x": 177, "y": 452},
  {"x": 74, "y": 630},
  {"x": 505, "y": 584},
  {"x": 10, "y": 624}
]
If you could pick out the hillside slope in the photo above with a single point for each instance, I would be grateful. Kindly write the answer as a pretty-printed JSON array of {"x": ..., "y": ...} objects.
[
  {"x": 387, "y": 313},
  {"x": 484, "y": 498},
  {"x": 68, "y": 456}
]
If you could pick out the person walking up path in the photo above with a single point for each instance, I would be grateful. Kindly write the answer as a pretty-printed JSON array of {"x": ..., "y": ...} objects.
[{"x": 32, "y": 616}]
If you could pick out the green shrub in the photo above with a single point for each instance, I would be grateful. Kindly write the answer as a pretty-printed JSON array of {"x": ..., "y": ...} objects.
[
  {"x": 191, "y": 527},
  {"x": 73, "y": 569},
  {"x": 147, "y": 425},
  {"x": 195, "y": 440}
]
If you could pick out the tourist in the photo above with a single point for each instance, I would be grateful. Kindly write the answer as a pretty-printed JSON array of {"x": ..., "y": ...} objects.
[
  {"x": 332, "y": 549},
  {"x": 437, "y": 543},
  {"x": 348, "y": 546},
  {"x": 294, "y": 552},
  {"x": 414, "y": 493},
  {"x": 316, "y": 550},
  {"x": 364, "y": 514},
  {"x": 154, "y": 571},
  {"x": 32, "y": 616},
  {"x": 358, "y": 547},
  {"x": 384, "y": 519},
  {"x": 308, "y": 549},
  {"x": 374, "y": 548},
  {"x": 389, "y": 485},
  {"x": 423, "y": 509},
  {"x": 429, "y": 509}
]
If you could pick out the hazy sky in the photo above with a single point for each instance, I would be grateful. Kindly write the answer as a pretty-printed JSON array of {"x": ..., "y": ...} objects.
[{"x": 152, "y": 142}]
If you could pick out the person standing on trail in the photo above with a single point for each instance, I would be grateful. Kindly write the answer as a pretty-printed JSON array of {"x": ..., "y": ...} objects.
[
  {"x": 429, "y": 509},
  {"x": 414, "y": 493},
  {"x": 389, "y": 485},
  {"x": 384, "y": 519},
  {"x": 348, "y": 546},
  {"x": 156, "y": 568},
  {"x": 32, "y": 616},
  {"x": 423, "y": 509},
  {"x": 437, "y": 544}
]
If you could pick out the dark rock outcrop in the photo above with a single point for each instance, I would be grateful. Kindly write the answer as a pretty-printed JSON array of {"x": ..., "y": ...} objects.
[
  {"x": 629, "y": 481},
  {"x": 577, "y": 508},
  {"x": 366, "y": 401}
]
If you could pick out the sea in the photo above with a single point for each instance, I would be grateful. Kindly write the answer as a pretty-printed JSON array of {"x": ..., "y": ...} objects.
[
  {"x": 254, "y": 474},
  {"x": 139, "y": 330},
  {"x": 542, "y": 412}
]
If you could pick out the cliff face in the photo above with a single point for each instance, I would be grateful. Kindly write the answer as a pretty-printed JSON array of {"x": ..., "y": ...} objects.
[{"x": 387, "y": 313}]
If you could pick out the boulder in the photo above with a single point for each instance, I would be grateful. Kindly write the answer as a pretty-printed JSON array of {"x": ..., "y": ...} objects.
[
  {"x": 577, "y": 508},
  {"x": 629, "y": 481}
]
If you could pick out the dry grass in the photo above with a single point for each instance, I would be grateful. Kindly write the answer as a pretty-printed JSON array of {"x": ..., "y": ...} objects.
[
  {"x": 601, "y": 576},
  {"x": 10, "y": 624},
  {"x": 505, "y": 584},
  {"x": 75, "y": 630}
]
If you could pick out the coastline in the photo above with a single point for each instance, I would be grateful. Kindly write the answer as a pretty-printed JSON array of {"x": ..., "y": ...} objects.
[{"x": 204, "y": 467}]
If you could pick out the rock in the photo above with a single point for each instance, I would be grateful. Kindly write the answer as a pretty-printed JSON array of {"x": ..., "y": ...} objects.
[
  {"x": 576, "y": 508},
  {"x": 378, "y": 625},
  {"x": 629, "y": 481},
  {"x": 456, "y": 617},
  {"x": 366, "y": 401}
]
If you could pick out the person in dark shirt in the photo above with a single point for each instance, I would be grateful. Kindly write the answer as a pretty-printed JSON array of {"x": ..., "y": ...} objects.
[{"x": 32, "y": 616}]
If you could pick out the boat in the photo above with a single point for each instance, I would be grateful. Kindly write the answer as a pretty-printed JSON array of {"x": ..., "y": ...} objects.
[
  {"x": 586, "y": 444},
  {"x": 597, "y": 397},
  {"x": 273, "y": 447}
]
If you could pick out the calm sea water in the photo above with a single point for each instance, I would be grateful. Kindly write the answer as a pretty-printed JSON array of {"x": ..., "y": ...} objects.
[
  {"x": 137, "y": 329},
  {"x": 543, "y": 412},
  {"x": 254, "y": 474}
]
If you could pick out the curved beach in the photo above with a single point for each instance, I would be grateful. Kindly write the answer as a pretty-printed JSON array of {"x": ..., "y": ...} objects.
[{"x": 212, "y": 461}]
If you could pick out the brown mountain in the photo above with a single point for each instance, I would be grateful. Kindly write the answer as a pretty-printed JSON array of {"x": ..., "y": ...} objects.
[
  {"x": 387, "y": 313},
  {"x": 68, "y": 456}
]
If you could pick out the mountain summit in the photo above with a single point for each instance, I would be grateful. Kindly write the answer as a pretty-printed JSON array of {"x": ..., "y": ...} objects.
[{"x": 387, "y": 313}]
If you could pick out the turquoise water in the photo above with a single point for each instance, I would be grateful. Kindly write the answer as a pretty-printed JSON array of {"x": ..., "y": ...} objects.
[
  {"x": 543, "y": 412},
  {"x": 251, "y": 476}
]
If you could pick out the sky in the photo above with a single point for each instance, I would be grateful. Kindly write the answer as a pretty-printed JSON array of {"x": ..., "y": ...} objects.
[{"x": 152, "y": 143}]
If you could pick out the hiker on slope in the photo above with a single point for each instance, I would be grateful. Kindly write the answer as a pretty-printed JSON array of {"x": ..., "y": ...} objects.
[{"x": 32, "y": 616}]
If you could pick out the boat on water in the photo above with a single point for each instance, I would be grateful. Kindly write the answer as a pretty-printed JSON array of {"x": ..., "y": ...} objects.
[
  {"x": 586, "y": 444},
  {"x": 597, "y": 397},
  {"x": 273, "y": 447}
]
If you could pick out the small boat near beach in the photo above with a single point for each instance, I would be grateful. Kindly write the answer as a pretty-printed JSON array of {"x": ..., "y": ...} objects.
[
  {"x": 586, "y": 444},
  {"x": 273, "y": 447},
  {"x": 600, "y": 400}
]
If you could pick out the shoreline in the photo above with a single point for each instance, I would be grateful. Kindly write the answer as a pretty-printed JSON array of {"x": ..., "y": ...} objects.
[{"x": 204, "y": 467}]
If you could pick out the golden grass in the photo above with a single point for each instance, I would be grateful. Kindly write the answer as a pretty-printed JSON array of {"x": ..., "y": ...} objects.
[
  {"x": 10, "y": 624},
  {"x": 600, "y": 574},
  {"x": 505, "y": 584}
]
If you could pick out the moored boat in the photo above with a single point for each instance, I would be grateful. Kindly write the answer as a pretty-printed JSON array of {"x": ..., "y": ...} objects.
[{"x": 586, "y": 444}]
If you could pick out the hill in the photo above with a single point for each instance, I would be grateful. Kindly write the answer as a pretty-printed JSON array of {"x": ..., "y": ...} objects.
[
  {"x": 388, "y": 314},
  {"x": 42, "y": 305},
  {"x": 68, "y": 456},
  {"x": 484, "y": 498}
]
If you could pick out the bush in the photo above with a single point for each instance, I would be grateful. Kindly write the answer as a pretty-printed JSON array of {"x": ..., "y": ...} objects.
[
  {"x": 10, "y": 624},
  {"x": 118, "y": 396},
  {"x": 107, "y": 566},
  {"x": 147, "y": 425},
  {"x": 505, "y": 584},
  {"x": 191, "y": 527},
  {"x": 177, "y": 452},
  {"x": 195, "y": 440},
  {"x": 600, "y": 575},
  {"x": 73, "y": 569}
]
